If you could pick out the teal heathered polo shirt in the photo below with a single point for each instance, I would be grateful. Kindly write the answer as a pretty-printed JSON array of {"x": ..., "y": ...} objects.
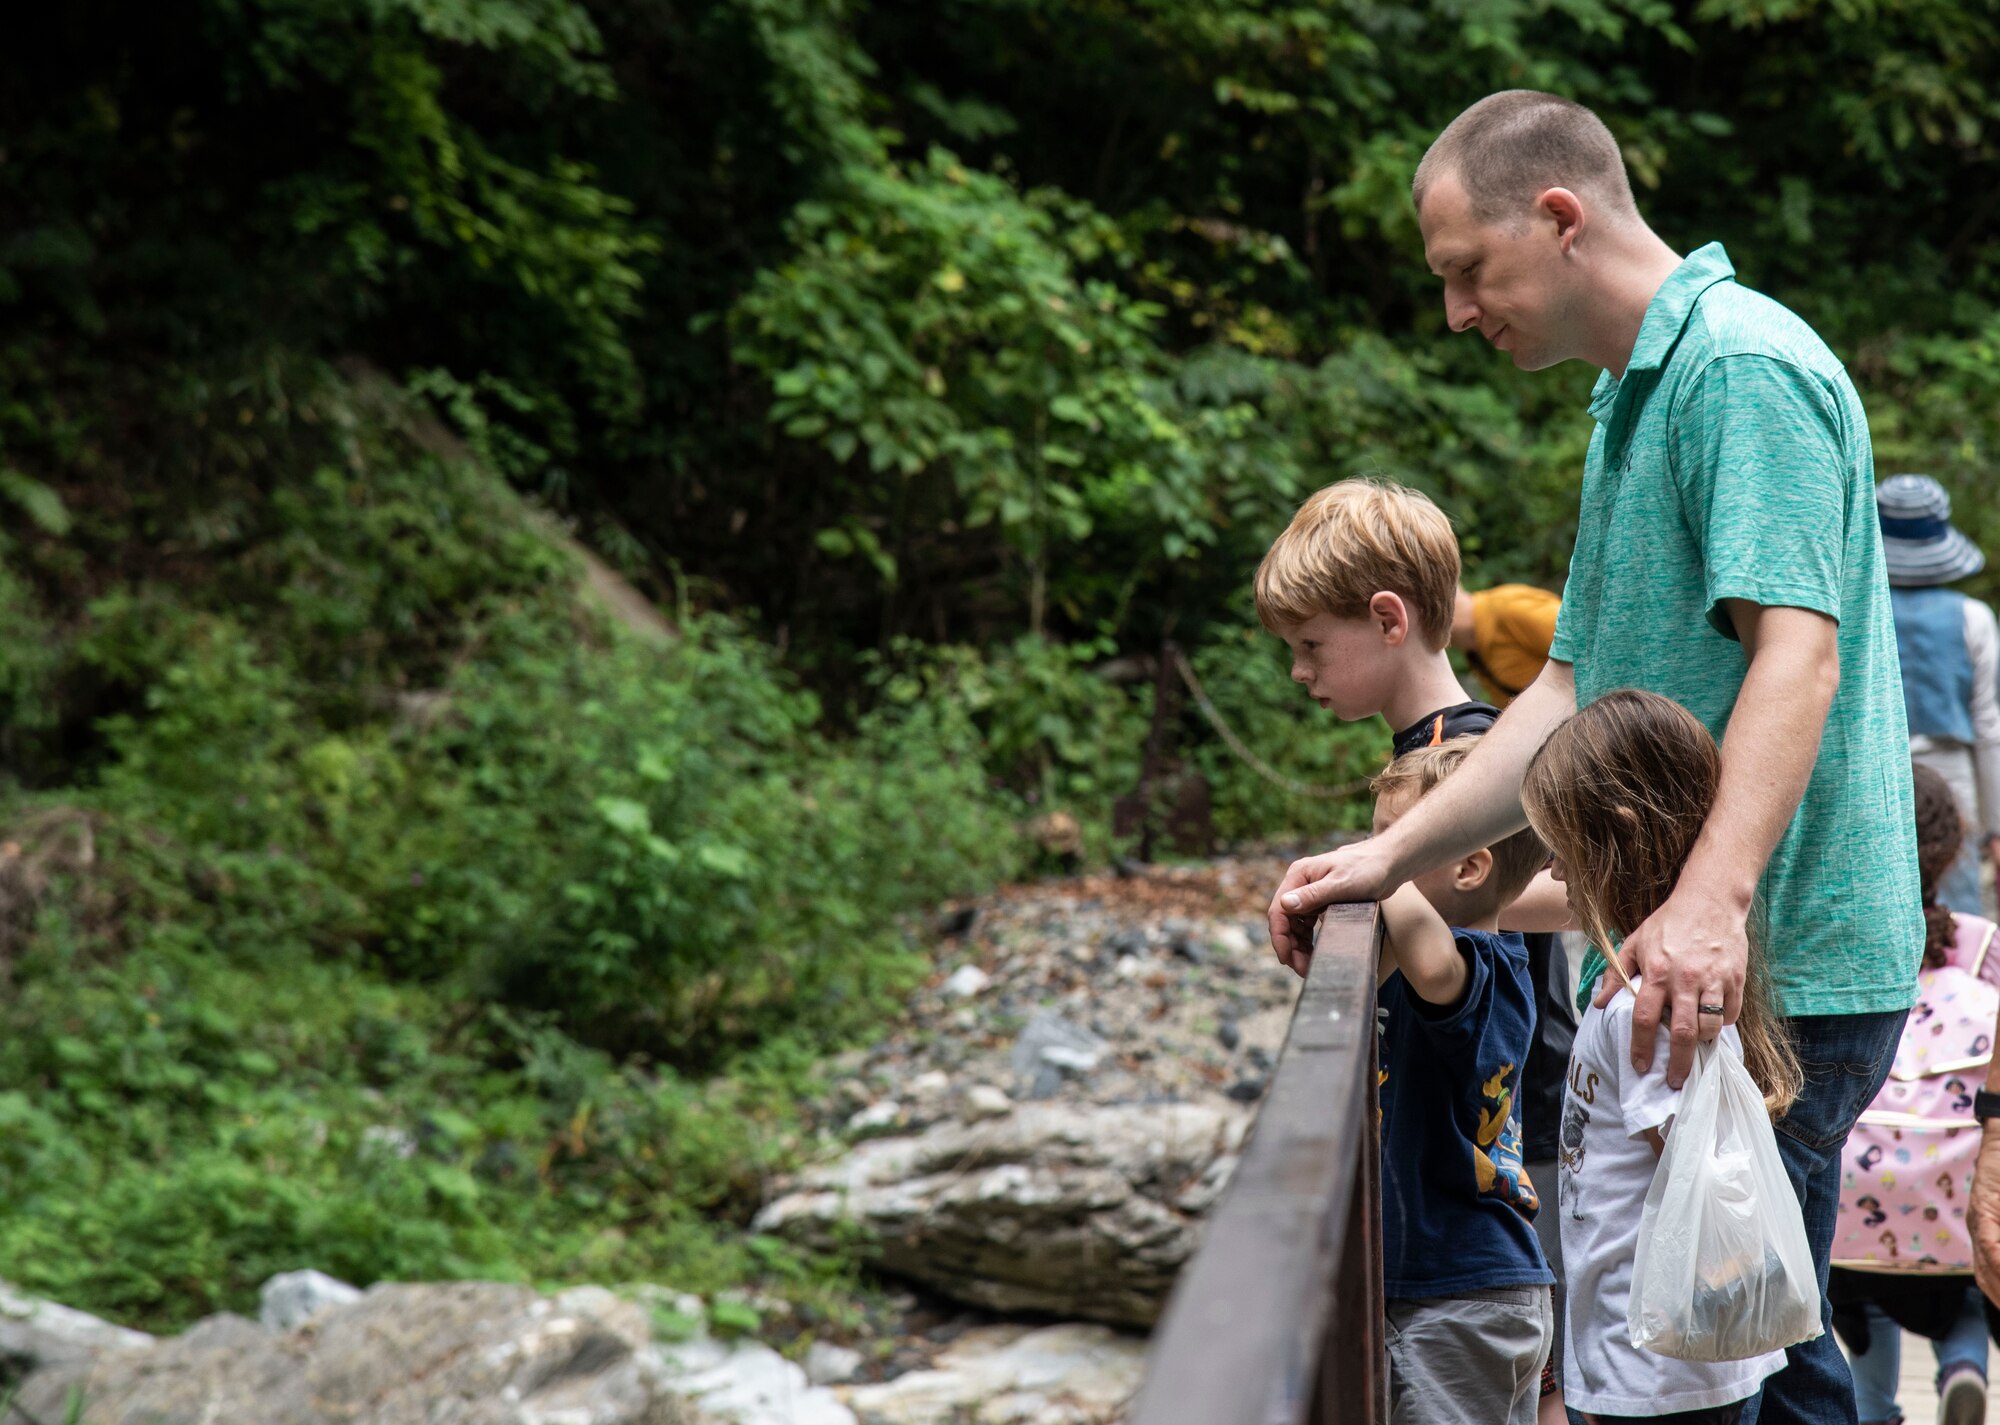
[{"x": 1732, "y": 461}]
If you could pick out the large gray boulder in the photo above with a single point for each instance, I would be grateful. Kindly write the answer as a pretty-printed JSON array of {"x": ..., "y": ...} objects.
[
  {"x": 1051, "y": 1142},
  {"x": 35, "y": 1334},
  {"x": 469, "y": 1353},
  {"x": 1014, "y": 1375},
  {"x": 744, "y": 1383},
  {"x": 1070, "y": 1209}
]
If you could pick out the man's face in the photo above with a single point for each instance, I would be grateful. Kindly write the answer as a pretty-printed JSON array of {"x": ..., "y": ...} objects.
[{"x": 1506, "y": 281}]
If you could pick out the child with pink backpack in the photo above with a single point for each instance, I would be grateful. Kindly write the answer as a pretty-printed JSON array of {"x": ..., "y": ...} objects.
[{"x": 1902, "y": 1257}]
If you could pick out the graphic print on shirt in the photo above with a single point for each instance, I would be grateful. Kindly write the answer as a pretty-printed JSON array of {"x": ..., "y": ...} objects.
[
  {"x": 1575, "y": 1120},
  {"x": 1496, "y": 1155}
]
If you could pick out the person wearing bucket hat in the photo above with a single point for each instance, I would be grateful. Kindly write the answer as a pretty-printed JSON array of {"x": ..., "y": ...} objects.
[{"x": 1949, "y": 649}]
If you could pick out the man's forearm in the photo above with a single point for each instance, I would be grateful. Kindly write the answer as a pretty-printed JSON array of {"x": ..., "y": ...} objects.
[
  {"x": 1768, "y": 749},
  {"x": 1480, "y": 803}
]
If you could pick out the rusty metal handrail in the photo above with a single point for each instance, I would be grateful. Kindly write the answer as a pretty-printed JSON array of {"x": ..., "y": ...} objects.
[{"x": 1278, "y": 1320}]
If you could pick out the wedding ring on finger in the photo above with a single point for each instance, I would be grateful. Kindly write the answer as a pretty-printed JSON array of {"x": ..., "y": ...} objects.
[{"x": 1710, "y": 1008}]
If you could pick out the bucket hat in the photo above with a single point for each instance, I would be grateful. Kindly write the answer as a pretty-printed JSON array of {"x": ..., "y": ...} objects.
[{"x": 1919, "y": 543}]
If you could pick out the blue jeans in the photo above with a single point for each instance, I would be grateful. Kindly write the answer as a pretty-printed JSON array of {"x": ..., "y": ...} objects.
[
  {"x": 1846, "y": 1058},
  {"x": 1877, "y": 1370}
]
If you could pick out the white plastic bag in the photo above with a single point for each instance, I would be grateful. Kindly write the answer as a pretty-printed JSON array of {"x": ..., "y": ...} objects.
[{"x": 1723, "y": 1269}]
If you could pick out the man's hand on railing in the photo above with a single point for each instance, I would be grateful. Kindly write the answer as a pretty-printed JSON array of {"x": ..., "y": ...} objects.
[{"x": 1360, "y": 872}]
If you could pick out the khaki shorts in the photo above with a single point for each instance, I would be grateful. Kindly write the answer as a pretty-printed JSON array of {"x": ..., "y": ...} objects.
[{"x": 1473, "y": 1359}]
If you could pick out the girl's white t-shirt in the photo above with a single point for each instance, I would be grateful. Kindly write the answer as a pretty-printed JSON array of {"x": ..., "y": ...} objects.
[{"x": 1605, "y": 1166}]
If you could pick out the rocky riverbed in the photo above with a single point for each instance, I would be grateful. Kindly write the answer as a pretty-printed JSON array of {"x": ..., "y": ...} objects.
[
  {"x": 1152, "y": 987},
  {"x": 1031, "y": 1147},
  {"x": 1046, "y": 1127}
]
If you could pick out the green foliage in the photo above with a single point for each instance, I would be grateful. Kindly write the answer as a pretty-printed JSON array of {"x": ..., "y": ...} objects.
[
  {"x": 1051, "y": 733},
  {"x": 182, "y": 1127},
  {"x": 934, "y": 319},
  {"x": 1007, "y": 316},
  {"x": 27, "y": 664},
  {"x": 399, "y": 926},
  {"x": 1055, "y": 733},
  {"x": 419, "y": 189},
  {"x": 1941, "y": 414},
  {"x": 687, "y": 809},
  {"x": 593, "y": 827}
]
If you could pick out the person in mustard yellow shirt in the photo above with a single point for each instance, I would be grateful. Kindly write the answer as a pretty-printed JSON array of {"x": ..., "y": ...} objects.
[{"x": 1504, "y": 633}]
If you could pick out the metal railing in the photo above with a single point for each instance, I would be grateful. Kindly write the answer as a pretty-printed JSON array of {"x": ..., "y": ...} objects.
[{"x": 1278, "y": 1320}]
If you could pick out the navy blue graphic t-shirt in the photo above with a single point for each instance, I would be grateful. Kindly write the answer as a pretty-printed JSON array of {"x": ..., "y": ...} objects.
[
  {"x": 1541, "y": 1101},
  {"x": 1457, "y": 1206}
]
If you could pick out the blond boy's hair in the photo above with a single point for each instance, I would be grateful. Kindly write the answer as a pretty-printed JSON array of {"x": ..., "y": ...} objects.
[
  {"x": 1517, "y": 860},
  {"x": 1352, "y": 541}
]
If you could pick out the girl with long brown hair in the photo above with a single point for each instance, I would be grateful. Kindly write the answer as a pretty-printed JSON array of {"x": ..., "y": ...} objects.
[{"x": 1619, "y": 793}]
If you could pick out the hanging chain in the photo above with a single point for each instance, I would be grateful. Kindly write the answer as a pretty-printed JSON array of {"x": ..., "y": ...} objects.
[{"x": 1252, "y": 760}]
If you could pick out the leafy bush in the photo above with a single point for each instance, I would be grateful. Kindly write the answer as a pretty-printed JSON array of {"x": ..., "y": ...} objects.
[
  {"x": 28, "y": 666},
  {"x": 1051, "y": 734},
  {"x": 1056, "y": 734},
  {"x": 413, "y": 919},
  {"x": 713, "y": 869},
  {"x": 179, "y": 1128}
]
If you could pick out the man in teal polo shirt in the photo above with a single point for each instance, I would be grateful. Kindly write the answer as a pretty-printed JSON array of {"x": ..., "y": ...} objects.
[{"x": 1727, "y": 557}]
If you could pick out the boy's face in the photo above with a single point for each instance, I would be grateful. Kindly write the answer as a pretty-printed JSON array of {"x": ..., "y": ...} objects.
[
  {"x": 1455, "y": 890},
  {"x": 1346, "y": 664}
]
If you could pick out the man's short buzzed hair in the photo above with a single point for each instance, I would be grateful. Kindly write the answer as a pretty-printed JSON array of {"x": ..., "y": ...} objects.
[{"x": 1513, "y": 146}]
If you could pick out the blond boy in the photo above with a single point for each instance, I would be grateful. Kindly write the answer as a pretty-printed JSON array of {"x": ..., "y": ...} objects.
[{"x": 1362, "y": 586}]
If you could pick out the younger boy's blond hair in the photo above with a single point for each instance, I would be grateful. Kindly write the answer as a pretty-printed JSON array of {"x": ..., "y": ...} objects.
[
  {"x": 1352, "y": 541},
  {"x": 1517, "y": 860}
]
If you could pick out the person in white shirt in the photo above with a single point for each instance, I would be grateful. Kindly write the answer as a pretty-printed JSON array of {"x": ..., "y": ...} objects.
[
  {"x": 1619, "y": 793},
  {"x": 1949, "y": 647}
]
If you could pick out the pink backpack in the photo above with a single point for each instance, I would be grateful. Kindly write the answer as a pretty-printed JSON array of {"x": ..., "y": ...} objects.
[{"x": 1908, "y": 1163}]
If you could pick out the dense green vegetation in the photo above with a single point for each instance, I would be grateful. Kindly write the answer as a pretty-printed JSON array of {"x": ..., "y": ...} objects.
[
  {"x": 370, "y": 898},
  {"x": 396, "y": 899}
]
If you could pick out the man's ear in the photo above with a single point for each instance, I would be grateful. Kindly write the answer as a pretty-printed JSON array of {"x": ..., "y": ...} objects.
[
  {"x": 1563, "y": 208},
  {"x": 1391, "y": 617},
  {"x": 1473, "y": 871}
]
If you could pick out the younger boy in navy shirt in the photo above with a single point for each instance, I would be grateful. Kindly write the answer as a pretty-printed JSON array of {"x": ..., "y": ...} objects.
[{"x": 1470, "y": 1318}]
